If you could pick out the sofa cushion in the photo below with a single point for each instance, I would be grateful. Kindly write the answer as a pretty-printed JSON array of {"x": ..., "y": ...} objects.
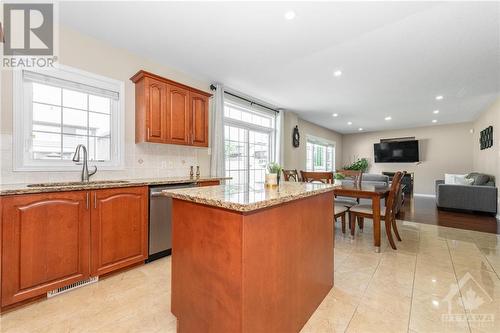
[
  {"x": 478, "y": 178},
  {"x": 454, "y": 179}
]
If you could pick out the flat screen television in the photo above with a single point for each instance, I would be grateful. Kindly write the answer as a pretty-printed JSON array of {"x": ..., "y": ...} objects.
[{"x": 396, "y": 152}]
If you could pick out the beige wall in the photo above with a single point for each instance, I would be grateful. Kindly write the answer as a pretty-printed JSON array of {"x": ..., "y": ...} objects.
[
  {"x": 487, "y": 160},
  {"x": 295, "y": 158},
  {"x": 443, "y": 149},
  {"x": 91, "y": 55}
]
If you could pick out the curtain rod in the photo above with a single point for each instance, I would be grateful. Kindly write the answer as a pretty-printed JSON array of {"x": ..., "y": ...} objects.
[{"x": 213, "y": 88}]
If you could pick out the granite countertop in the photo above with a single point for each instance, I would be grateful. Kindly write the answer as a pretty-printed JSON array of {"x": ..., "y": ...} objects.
[
  {"x": 242, "y": 198},
  {"x": 11, "y": 189}
]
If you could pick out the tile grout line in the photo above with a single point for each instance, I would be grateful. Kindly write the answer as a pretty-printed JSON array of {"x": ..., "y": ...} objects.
[
  {"x": 364, "y": 292},
  {"x": 413, "y": 282},
  {"x": 458, "y": 286}
]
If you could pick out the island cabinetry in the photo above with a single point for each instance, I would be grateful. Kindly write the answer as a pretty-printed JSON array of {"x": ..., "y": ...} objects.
[
  {"x": 51, "y": 240},
  {"x": 265, "y": 270}
]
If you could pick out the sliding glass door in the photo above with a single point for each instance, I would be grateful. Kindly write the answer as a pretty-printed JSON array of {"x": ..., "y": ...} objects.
[{"x": 248, "y": 145}]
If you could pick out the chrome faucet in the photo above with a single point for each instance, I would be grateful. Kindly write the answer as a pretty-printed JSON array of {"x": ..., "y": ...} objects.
[{"x": 76, "y": 158}]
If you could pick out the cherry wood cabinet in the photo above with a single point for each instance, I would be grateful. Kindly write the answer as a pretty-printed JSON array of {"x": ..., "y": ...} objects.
[
  {"x": 178, "y": 115},
  {"x": 199, "y": 114},
  {"x": 51, "y": 240},
  {"x": 169, "y": 112},
  {"x": 45, "y": 241},
  {"x": 119, "y": 224}
]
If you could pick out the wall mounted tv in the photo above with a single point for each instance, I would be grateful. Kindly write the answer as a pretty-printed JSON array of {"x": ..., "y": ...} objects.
[{"x": 396, "y": 152}]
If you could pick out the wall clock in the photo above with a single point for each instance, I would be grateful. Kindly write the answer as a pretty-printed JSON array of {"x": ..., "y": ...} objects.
[{"x": 296, "y": 137}]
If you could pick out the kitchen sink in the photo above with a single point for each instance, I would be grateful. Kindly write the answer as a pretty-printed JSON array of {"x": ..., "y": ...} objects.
[{"x": 97, "y": 182}]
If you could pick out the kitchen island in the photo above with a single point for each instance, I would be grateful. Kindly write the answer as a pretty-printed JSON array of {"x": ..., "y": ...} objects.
[{"x": 251, "y": 259}]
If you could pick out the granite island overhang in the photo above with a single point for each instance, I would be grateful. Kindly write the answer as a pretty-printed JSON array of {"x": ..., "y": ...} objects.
[{"x": 251, "y": 259}]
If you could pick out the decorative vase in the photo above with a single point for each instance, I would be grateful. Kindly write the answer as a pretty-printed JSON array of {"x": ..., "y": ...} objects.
[
  {"x": 337, "y": 182},
  {"x": 271, "y": 179}
]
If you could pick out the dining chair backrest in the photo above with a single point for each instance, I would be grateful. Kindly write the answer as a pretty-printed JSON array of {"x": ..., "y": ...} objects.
[
  {"x": 314, "y": 176},
  {"x": 355, "y": 175},
  {"x": 291, "y": 175},
  {"x": 392, "y": 199}
]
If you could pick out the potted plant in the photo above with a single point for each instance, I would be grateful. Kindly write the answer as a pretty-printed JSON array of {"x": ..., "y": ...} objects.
[
  {"x": 273, "y": 176},
  {"x": 338, "y": 177},
  {"x": 361, "y": 165}
]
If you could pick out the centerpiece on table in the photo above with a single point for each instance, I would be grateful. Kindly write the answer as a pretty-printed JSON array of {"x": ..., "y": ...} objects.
[{"x": 273, "y": 175}]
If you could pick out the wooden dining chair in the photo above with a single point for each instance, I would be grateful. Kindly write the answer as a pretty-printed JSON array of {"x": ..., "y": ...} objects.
[
  {"x": 315, "y": 176},
  {"x": 327, "y": 178},
  {"x": 356, "y": 177},
  {"x": 291, "y": 175},
  {"x": 387, "y": 213}
]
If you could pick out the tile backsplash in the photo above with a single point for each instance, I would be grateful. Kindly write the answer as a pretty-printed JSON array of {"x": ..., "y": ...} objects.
[{"x": 141, "y": 161}]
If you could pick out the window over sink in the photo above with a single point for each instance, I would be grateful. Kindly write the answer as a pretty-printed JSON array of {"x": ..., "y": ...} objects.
[{"x": 56, "y": 110}]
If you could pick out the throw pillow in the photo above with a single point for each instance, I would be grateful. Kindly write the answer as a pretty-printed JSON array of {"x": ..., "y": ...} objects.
[
  {"x": 478, "y": 178},
  {"x": 462, "y": 180},
  {"x": 451, "y": 179}
]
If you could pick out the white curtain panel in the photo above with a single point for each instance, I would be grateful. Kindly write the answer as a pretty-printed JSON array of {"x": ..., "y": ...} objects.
[
  {"x": 217, "y": 133},
  {"x": 280, "y": 129}
]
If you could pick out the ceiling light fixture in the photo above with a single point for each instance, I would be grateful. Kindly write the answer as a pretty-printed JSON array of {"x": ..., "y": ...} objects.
[
  {"x": 337, "y": 73},
  {"x": 349, "y": 123},
  {"x": 360, "y": 129},
  {"x": 290, "y": 15},
  {"x": 434, "y": 121},
  {"x": 439, "y": 97},
  {"x": 388, "y": 118},
  {"x": 435, "y": 111},
  {"x": 335, "y": 115}
]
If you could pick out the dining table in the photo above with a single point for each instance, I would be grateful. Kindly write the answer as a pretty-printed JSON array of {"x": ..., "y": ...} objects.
[{"x": 373, "y": 192}]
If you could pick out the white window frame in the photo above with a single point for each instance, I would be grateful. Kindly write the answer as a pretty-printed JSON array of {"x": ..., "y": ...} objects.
[
  {"x": 271, "y": 131},
  {"x": 23, "y": 113},
  {"x": 324, "y": 142}
]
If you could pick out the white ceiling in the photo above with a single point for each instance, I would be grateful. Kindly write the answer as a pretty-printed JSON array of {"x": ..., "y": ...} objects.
[{"x": 395, "y": 56}]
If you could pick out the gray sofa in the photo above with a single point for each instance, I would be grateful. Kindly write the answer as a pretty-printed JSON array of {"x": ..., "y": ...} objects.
[
  {"x": 478, "y": 198},
  {"x": 370, "y": 179}
]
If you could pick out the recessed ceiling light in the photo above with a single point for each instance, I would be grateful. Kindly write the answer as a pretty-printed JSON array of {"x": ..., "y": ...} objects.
[
  {"x": 290, "y": 15},
  {"x": 360, "y": 129},
  {"x": 439, "y": 97},
  {"x": 388, "y": 118},
  {"x": 435, "y": 111},
  {"x": 335, "y": 115},
  {"x": 434, "y": 121},
  {"x": 349, "y": 123},
  {"x": 337, "y": 73}
]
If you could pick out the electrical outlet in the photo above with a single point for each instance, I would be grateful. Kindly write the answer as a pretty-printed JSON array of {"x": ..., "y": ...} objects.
[{"x": 163, "y": 164}]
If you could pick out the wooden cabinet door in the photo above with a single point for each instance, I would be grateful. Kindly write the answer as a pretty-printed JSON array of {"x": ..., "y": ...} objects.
[
  {"x": 199, "y": 120},
  {"x": 156, "y": 99},
  {"x": 119, "y": 228},
  {"x": 45, "y": 241},
  {"x": 178, "y": 115}
]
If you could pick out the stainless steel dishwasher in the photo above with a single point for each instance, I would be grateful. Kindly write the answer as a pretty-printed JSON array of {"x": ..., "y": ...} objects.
[{"x": 160, "y": 221}]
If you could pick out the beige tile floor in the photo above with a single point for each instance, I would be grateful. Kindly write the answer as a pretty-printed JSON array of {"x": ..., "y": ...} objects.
[{"x": 439, "y": 280}]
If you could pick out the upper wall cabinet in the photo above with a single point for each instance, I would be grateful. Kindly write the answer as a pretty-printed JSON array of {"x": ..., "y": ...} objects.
[{"x": 169, "y": 112}]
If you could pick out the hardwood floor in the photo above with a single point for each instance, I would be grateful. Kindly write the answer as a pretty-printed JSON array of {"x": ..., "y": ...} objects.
[{"x": 424, "y": 210}]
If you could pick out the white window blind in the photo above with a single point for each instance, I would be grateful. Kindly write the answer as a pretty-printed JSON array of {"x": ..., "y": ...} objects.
[{"x": 59, "y": 109}]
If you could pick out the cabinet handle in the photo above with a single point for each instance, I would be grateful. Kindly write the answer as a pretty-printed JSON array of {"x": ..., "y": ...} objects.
[
  {"x": 95, "y": 200},
  {"x": 87, "y": 200}
]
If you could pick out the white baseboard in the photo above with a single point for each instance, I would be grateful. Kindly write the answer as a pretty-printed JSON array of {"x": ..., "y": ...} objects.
[{"x": 424, "y": 195}]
